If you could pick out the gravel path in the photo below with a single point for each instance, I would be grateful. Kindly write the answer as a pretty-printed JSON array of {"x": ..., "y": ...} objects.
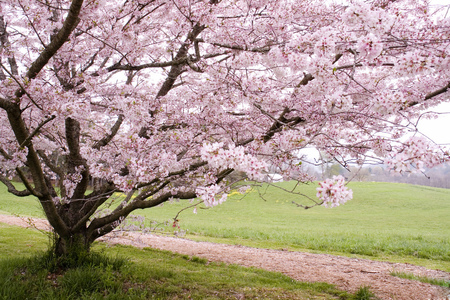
[{"x": 346, "y": 273}]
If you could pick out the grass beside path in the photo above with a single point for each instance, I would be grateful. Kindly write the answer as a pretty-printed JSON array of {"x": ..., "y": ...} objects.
[
  {"x": 145, "y": 274},
  {"x": 384, "y": 221}
]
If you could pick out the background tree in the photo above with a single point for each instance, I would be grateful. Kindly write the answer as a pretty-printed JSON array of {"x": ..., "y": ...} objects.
[
  {"x": 360, "y": 174},
  {"x": 163, "y": 99}
]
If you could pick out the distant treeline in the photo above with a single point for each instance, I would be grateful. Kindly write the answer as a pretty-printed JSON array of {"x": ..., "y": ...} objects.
[{"x": 436, "y": 177}]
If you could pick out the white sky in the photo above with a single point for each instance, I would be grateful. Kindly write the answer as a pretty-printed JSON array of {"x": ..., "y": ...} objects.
[{"x": 438, "y": 129}]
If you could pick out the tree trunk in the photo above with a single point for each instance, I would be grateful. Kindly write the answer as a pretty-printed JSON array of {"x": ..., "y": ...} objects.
[{"x": 71, "y": 251}]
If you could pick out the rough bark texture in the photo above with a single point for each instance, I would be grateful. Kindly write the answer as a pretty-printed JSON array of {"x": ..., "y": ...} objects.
[{"x": 75, "y": 246}]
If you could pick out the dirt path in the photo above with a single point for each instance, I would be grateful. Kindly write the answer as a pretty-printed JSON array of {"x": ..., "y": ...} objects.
[{"x": 346, "y": 273}]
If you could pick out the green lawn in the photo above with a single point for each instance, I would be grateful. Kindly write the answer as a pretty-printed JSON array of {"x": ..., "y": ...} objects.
[
  {"x": 387, "y": 221},
  {"x": 144, "y": 274},
  {"x": 384, "y": 220}
]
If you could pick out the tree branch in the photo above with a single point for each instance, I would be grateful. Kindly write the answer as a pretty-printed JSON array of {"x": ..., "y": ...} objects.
[
  {"x": 12, "y": 189},
  {"x": 102, "y": 226},
  {"x": 431, "y": 95},
  {"x": 264, "y": 49},
  {"x": 35, "y": 131},
  {"x": 57, "y": 41},
  {"x": 360, "y": 65},
  {"x": 438, "y": 92},
  {"x": 74, "y": 158},
  {"x": 22, "y": 88},
  {"x": 5, "y": 154},
  {"x": 55, "y": 169},
  {"x": 278, "y": 122},
  {"x": 104, "y": 141},
  {"x": 176, "y": 70},
  {"x": 4, "y": 43},
  {"x": 192, "y": 167},
  {"x": 40, "y": 190},
  {"x": 92, "y": 202},
  {"x": 27, "y": 184},
  {"x": 171, "y": 63},
  {"x": 306, "y": 78},
  {"x": 4, "y": 104}
]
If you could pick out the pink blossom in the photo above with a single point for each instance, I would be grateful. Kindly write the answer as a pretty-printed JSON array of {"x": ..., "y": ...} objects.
[
  {"x": 209, "y": 195},
  {"x": 333, "y": 192},
  {"x": 169, "y": 100},
  {"x": 369, "y": 46},
  {"x": 233, "y": 158},
  {"x": 416, "y": 154}
]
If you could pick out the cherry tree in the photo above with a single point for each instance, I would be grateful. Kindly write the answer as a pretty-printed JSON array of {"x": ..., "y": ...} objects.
[{"x": 164, "y": 99}]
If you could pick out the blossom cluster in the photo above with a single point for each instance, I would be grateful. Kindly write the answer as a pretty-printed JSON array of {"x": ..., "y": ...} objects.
[
  {"x": 387, "y": 102},
  {"x": 233, "y": 158},
  {"x": 414, "y": 155},
  {"x": 71, "y": 181},
  {"x": 258, "y": 80},
  {"x": 333, "y": 192},
  {"x": 336, "y": 102},
  {"x": 209, "y": 195},
  {"x": 16, "y": 160},
  {"x": 369, "y": 46}
]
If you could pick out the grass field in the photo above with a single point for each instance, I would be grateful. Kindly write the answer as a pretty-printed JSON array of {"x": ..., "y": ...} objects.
[
  {"x": 387, "y": 221},
  {"x": 143, "y": 274}
]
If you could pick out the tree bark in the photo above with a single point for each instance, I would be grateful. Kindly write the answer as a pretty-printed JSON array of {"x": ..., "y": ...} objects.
[{"x": 70, "y": 251}]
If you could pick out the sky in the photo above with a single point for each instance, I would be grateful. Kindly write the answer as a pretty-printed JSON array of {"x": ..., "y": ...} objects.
[{"x": 438, "y": 129}]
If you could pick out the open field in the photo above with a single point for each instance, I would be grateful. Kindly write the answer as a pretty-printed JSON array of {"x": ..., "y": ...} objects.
[
  {"x": 144, "y": 274},
  {"x": 396, "y": 222},
  {"x": 402, "y": 222}
]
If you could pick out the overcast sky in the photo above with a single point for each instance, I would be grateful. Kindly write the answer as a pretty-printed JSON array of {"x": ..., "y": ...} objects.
[{"x": 438, "y": 129}]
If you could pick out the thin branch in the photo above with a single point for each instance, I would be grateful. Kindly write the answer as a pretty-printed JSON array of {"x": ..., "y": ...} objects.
[
  {"x": 360, "y": 65},
  {"x": 32, "y": 25},
  {"x": 101, "y": 226},
  {"x": 93, "y": 202},
  {"x": 186, "y": 208},
  {"x": 58, "y": 40},
  {"x": 172, "y": 63},
  {"x": 264, "y": 49},
  {"x": 55, "y": 169},
  {"x": 51, "y": 6},
  {"x": 146, "y": 66},
  {"x": 352, "y": 78},
  {"x": 278, "y": 122},
  {"x": 22, "y": 88},
  {"x": 307, "y": 206},
  {"x": 35, "y": 131},
  {"x": 5, "y": 154}
]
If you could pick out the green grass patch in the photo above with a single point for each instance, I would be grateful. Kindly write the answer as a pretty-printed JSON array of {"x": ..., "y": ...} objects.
[
  {"x": 424, "y": 279},
  {"x": 25, "y": 241},
  {"x": 19, "y": 206},
  {"x": 384, "y": 221},
  {"x": 364, "y": 293},
  {"x": 145, "y": 274}
]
